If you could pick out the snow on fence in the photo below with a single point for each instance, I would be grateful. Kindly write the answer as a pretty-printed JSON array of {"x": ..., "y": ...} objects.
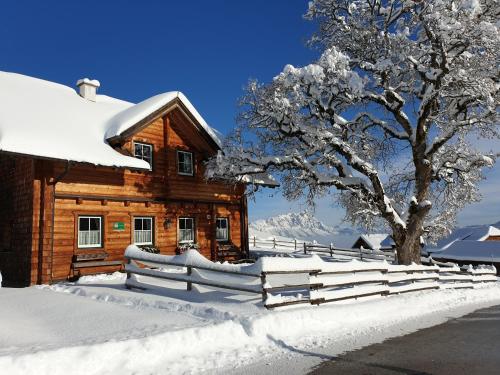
[
  {"x": 274, "y": 243},
  {"x": 343, "y": 253},
  {"x": 308, "y": 279},
  {"x": 316, "y": 248}
]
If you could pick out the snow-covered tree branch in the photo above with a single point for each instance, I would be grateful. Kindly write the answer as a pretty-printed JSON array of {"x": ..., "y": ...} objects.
[{"x": 384, "y": 118}]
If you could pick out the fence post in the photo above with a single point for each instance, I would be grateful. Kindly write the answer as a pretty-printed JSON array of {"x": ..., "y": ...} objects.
[
  {"x": 295, "y": 244},
  {"x": 189, "y": 283},
  {"x": 331, "y": 249},
  {"x": 264, "y": 292},
  {"x": 274, "y": 242},
  {"x": 254, "y": 242},
  {"x": 305, "y": 248},
  {"x": 128, "y": 275}
]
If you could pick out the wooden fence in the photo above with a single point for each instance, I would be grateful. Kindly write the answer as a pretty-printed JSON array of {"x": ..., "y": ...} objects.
[
  {"x": 307, "y": 279},
  {"x": 274, "y": 243},
  {"x": 361, "y": 253},
  {"x": 316, "y": 248}
]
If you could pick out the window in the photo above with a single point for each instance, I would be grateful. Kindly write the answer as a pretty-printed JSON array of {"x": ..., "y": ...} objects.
[
  {"x": 222, "y": 229},
  {"x": 89, "y": 231},
  {"x": 143, "y": 230},
  {"x": 186, "y": 229},
  {"x": 144, "y": 151},
  {"x": 185, "y": 163}
]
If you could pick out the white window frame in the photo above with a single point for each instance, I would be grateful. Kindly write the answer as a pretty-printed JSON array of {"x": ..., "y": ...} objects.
[
  {"x": 149, "y": 218},
  {"x": 94, "y": 245},
  {"x": 180, "y": 230},
  {"x": 191, "y": 155},
  {"x": 144, "y": 145},
  {"x": 226, "y": 238}
]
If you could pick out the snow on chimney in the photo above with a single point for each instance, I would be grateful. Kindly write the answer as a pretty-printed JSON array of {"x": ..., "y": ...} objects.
[{"x": 88, "y": 88}]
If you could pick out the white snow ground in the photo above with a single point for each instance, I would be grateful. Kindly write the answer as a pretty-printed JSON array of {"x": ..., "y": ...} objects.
[{"x": 96, "y": 326}]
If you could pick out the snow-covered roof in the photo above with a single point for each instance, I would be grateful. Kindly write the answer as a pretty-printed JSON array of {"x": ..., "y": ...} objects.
[
  {"x": 470, "y": 233},
  {"x": 50, "y": 120},
  {"x": 263, "y": 179},
  {"x": 134, "y": 114},
  {"x": 471, "y": 250},
  {"x": 377, "y": 240}
]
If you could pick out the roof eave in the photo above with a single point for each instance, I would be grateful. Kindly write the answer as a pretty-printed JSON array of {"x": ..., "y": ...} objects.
[
  {"x": 160, "y": 112},
  {"x": 38, "y": 157}
]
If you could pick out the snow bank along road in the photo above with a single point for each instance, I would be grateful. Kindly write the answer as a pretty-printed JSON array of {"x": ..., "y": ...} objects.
[{"x": 96, "y": 326}]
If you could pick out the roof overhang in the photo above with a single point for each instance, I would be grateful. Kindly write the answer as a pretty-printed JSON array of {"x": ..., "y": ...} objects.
[
  {"x": 175, "y": 103},
  {"x": 57, "y": 160}
]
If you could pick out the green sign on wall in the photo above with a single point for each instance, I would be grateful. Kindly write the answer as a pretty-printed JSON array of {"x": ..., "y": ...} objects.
[{"x": 119, "y": 225}]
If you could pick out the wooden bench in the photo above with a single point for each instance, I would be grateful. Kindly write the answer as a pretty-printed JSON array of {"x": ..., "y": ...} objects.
[
  {"x": 93, "y": 260},
  {"x": 228, "y": 253}
]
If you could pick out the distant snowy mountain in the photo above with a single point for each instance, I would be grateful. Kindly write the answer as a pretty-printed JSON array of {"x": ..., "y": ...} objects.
[{"x": 302, "y": 226}]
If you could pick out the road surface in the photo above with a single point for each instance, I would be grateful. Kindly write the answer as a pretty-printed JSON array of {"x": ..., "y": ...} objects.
[{"x": 466, "y": 345}]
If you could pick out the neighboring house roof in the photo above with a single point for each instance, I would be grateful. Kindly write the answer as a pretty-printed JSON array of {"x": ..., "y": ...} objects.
[
  {"x": 470, "y": 233},
  {"x": 376, "y": 240},
  {"x": 49, "y": 120},
  {"x": 262, "y": 179},
  {"x": 471, "y": 250}
]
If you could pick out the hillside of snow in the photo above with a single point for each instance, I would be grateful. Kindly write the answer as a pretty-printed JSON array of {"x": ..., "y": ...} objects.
[{"x": 302, "y": 226}]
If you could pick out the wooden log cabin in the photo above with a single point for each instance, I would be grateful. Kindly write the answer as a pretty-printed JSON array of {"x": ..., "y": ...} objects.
[{"x": 84, "y": 175}]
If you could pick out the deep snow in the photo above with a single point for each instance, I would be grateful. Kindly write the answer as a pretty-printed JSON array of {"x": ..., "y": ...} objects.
[
  {"x": 96, "y": 326},
  {"x": 62, "y": 125}
]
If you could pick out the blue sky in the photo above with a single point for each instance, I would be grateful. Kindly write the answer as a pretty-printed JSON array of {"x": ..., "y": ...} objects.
[{"x": 207, "y": 49}]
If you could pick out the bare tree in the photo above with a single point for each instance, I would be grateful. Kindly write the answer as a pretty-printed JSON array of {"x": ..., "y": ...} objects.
[{"x": 384, "y": 119}]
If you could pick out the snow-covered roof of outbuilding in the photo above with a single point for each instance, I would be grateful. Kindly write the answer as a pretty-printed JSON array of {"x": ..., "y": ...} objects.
[
  {"x": 470, "y": 233},
  {"x": 471, "y": 250},
  {"x": 49, "y": 120},
  {"x": 263, "y": 179},
  {"x": 377, "y": 240}
]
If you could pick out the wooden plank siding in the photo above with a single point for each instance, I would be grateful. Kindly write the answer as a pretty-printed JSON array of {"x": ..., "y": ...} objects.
[
  {"x": 16, "y": 212},
  {"x": 114, "y": 242},
  {"x": 42, "y": 224},
  {"x": 493, "y": 238},
  {"x": 118, "y": 195}
]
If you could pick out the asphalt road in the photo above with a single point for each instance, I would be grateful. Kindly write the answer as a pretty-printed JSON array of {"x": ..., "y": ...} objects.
[{"x": 467, "y": 345}]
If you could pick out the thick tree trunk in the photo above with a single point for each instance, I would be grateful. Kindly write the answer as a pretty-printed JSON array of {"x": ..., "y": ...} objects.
[
  {"x": 409, "y": 251},
  {"x": 409, "y": 244}
]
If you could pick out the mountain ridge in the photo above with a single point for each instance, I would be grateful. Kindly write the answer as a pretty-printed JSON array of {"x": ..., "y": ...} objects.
[{"x": 302, "y": 226}]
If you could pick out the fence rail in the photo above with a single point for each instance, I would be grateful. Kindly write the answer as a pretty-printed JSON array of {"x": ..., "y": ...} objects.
[
  {"x": 276, "y": 243},
  {"x": 305, "y": 280},
  {"x": 331, "y": 250}
]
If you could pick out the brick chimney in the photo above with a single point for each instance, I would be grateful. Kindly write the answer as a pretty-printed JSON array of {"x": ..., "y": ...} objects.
[{"x": 88, "y": 88}]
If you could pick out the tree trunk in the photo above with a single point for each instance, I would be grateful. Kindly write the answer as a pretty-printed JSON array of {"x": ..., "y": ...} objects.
[{"x": 409, "y": 251}]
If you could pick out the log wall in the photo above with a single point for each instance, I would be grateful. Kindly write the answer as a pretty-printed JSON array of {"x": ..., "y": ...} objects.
[
  {"x": 16, "y": 191},
  {"x": 165, "y": 217},
  {"x": 493, "y": 238},
  {"x": 119, "y": 195}
]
